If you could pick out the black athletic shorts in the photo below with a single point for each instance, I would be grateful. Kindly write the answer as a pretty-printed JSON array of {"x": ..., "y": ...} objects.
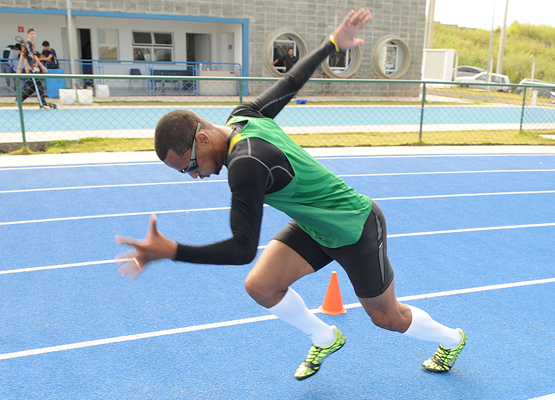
[{"x": 365, "y": 262}]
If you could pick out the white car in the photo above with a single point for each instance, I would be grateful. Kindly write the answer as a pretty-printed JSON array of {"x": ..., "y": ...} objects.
[
  {"x": 542, "y": 92},
  {"x": 483, "y": 77}
]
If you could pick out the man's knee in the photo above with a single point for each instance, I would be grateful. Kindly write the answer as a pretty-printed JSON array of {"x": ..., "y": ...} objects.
[
  {"x": 391, "y": 321},
  {"x": 256, "y": 289},
  {"x": 265, "y": 293}
]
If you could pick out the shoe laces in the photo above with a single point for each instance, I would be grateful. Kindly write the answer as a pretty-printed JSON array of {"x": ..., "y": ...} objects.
[
  {"x": 313, "y": 354},
  {"x": 443, "y": 356}
]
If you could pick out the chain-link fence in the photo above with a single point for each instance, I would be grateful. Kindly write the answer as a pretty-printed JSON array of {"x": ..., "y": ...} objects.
[{"x": 119, "y": 113}]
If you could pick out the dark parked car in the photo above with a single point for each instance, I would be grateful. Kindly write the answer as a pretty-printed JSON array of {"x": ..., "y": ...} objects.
[
  {"x": 542, "y": 92},
  {"x": 466, "y": 70}
]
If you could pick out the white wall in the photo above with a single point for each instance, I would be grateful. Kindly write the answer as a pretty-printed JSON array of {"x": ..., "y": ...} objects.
[
  {"x": 179, "y": 29},
  {"x": 49, "y": 27},
  {"x": 438, "y": 64}
]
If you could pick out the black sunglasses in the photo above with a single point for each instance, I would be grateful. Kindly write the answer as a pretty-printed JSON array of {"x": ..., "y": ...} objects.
[{"x": 193, "y": 165}]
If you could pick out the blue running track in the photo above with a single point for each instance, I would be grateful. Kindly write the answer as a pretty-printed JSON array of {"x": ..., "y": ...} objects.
[{"x": 472, "y": 242}]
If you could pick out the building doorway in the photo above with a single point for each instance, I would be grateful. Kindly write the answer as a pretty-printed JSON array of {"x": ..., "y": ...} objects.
[
  {"x": 85, "y": 55},
  {"x": 198, "y": 47}
]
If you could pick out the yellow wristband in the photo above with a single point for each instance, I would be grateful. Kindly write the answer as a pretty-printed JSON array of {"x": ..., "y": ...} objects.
[{"x": 332, "y": 39}]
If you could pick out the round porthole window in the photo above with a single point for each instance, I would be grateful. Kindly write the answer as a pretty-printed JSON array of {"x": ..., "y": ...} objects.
[
  {"x": 343, "y": 64},
  {"x": 391, "y": 57},
  {"x": 282, "y": 49}
]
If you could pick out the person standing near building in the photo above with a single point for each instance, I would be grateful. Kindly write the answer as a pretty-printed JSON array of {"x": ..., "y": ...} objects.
[
  {"x": 49, "y": 56},
  {"x": 29, "y": 61},
  {"x": 9, "y": 63},
  {"x": 288, "y": 59}
]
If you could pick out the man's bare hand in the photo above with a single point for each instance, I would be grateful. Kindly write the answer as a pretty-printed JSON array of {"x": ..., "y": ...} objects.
[
  {"x": 345, "y": 34},
  {"x": 154, "y": 246}
]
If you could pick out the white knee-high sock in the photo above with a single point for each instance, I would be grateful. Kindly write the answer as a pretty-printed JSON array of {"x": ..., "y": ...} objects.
[
  {"x": 423, "y": 327},
  {"x": 294, "y": 311}
]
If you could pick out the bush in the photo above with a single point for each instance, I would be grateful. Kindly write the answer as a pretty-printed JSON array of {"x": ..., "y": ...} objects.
[{"x": 522, "y": 40}]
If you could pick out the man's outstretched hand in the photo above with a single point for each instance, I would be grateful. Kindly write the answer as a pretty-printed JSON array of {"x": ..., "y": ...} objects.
[
  {"x": 154, "y": 246},
  {"x": 345, "y": 34}
]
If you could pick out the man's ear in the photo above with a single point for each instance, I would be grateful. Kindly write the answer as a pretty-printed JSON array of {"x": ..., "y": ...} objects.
[{"x": 203, "y": 138}]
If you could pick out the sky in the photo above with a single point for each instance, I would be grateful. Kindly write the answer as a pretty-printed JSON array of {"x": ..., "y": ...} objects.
[{"x": 479, "y": 13}]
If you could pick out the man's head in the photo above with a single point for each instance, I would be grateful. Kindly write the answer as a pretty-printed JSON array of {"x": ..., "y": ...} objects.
[
  {"x": 17, "y": 46},
  {"x": 189, "y": 144},
  {"x": 31, "y": 34},
  {"x": 175, "y": 131},
  {"x": 46, "y": 45},
  {"x": 290, "y": 51}
]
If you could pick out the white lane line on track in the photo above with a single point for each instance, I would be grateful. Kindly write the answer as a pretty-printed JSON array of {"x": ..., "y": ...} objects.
[
  {"x": 331, "y": 157},
  {"x": 340, "y": 157},
  {"x": 112, "y": 215},
  {"x": 109, "y": 186},
  {"x": 398, "y": 235},
  {"x": 224, "y": 180},
  {"x": 60, "y": 266},
  {"x": 80, "y": 165},
  {"x": 493, "y": 171},
  {"x": 439, "y": 196},
  {"x": 71, "y": 265},
  {"x": 546, "y": 397},
  {"x": 491, "y": 228},
  {"x": 127, "y": 338}
]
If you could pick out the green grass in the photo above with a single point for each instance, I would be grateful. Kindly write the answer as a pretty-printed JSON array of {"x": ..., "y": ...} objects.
[
  {"x": 448, "y": 138},
  {"x": 93, "y": 145},
  {"x": 347, "y": 139},
  {"x": 470, "y": 96},
  {"x": 90, "y": 145},
  {"x": 22, "y": 152}
]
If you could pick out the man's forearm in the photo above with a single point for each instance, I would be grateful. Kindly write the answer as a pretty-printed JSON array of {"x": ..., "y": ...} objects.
[
  {"x": 272, "y": 101},
  {"x": 306, "y": 66}
]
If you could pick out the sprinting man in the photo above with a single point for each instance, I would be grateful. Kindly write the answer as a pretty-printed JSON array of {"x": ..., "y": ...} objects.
[
  {"x": 331, "y": 221},
  {"x": 30, "y": 62}
]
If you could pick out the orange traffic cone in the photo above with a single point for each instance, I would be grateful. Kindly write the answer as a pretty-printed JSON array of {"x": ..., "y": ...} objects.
[{"x": 333, "y": 303}]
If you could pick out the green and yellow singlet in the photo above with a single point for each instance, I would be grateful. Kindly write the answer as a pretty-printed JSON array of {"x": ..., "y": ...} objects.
[{"x": 323, "y": 205}]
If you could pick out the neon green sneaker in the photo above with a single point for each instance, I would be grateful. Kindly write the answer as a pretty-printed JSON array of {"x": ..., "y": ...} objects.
[
  {"x": 316, "y": 356},
  {"x": 444, "y": 359}
]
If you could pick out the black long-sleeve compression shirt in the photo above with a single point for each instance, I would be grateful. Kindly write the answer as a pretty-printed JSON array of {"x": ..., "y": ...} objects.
[{"x": 255, "y": 169}]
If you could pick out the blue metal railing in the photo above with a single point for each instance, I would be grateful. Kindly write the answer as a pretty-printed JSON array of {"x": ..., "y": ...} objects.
[
  {"x": 155, "y": 68},
  {"x": 100, "y": 67},
  {"x": 149, "y": 68}
]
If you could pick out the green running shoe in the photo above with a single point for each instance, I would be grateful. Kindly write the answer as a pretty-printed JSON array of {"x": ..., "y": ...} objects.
[
  {"x": 444, "y": 359},
  {"x": 316, "y": 356}
]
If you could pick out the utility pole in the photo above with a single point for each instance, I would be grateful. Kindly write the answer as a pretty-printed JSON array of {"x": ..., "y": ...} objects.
[
  {"x": 490, "y": 58},
  {"x": 502, "y": 42},
  {"x": 70, "y": 38},
  {"x": 430, "y": 27}
]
